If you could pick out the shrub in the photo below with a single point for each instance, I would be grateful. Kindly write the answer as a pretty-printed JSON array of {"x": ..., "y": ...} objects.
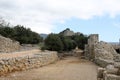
[{"x": 53, "y": 43}]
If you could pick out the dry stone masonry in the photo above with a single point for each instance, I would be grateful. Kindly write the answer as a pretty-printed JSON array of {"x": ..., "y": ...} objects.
[
  {"x": 89, "y": 48},
  {"x": 8, "y": 45},
  {"x": 104, "y": 55},
  {"x": 26, "y": 62}
]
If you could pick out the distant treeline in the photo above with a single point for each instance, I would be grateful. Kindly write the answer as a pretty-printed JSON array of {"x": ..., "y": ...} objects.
[{"x": 20, "y": 33}]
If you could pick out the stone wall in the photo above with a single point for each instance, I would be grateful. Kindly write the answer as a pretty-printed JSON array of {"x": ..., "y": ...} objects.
[
  {"x": 111, "y": 72},
  {"x": 103, "y": 54},
  {"x": 89, "y": 48},
  {"x": 8, "y": 65},
  {"x": 8, "y": 45}
]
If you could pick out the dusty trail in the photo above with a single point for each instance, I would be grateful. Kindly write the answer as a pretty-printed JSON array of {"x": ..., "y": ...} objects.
[{"x": 70, "y": 68}]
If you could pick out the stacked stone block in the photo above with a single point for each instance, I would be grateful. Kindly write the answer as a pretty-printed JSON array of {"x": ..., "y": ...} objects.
[{"x": 26, "y": 62}]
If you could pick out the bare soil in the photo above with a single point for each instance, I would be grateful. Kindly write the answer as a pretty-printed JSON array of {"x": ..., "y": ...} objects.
[{"x": 70, "y": 68}]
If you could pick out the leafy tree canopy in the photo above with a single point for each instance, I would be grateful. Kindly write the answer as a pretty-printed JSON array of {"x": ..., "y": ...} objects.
[
  {"x": 19, "y": 33},
  {"x": 58, "y": 42},
  {"x": 54, "y": 43}
]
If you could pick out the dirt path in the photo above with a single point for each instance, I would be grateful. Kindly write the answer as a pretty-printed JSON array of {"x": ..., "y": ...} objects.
[{"x": 70, "y": 68}]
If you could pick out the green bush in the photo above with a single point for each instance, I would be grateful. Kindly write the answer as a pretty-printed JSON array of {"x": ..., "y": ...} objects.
[
  {"x": 80, "y": 40},
  {"x": 53, "y": 43},
  {"x": 68, "y": 43},
  {"x": 56, "y": 42}
]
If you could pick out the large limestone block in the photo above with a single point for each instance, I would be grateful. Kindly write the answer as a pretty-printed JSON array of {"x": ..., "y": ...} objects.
[
  {"x": 107, "y": 47},
  {"x": 27, "y": 62}
]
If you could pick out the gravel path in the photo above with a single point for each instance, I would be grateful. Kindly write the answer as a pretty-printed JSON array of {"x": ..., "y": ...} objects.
[{"x": 70, "y": 68}]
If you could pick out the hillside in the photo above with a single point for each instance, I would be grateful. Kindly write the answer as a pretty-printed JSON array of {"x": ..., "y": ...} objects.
[
  {"x": 43, "y": 35},
  {"x": 68, "y": 32}
]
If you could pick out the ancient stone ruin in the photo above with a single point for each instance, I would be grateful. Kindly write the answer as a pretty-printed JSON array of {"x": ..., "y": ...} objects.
[
  {"x": 89, "y": 48},
  {"x": 103, "y": 54},
  {"x": 26, "y": 62},
  {"x": 8, "y": 45}
]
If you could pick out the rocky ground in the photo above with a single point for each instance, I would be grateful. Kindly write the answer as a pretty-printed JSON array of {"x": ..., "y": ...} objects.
[{"x": 70, "y": 68}]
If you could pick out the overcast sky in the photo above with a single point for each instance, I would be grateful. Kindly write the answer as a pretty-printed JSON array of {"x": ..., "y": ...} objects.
[{"x": 46, "y": 16}]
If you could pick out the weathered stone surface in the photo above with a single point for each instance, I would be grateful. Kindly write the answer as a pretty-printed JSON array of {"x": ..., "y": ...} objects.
[
  {"x": 103, "y": 62},
  {"x": 112, "y": 77},
  {"x": 89, "y": 48},
  {"x": 104, "y": 55},
  {"x": 8, "y": 45},
  {"x": 109, "y": 73},
  {"x": 118, "y": 72},
  {"x": 2, "y": 62},
  {"x": 101, "y": 53},
  {"x": 27, "y": 62},
  {"x": 100, "y": 73},
  {"x": 117, "y": 64},
  {"x": 111, "y": 69},
  {"x": 105, "y": 51}
]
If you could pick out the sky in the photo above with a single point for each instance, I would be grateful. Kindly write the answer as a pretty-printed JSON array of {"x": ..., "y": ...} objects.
[{"x": 45, "y": 16}]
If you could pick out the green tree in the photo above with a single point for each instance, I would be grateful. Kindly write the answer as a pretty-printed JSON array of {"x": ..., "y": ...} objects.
[
  {"x": 80, "y": 40},
  {"x": 21, "y": 34},
  {"x": 68, "y": 43},
  {"x": 54, "y": 43},
  {"x": 7, "y": 32},
  {"x": 25, "y": 35}
]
